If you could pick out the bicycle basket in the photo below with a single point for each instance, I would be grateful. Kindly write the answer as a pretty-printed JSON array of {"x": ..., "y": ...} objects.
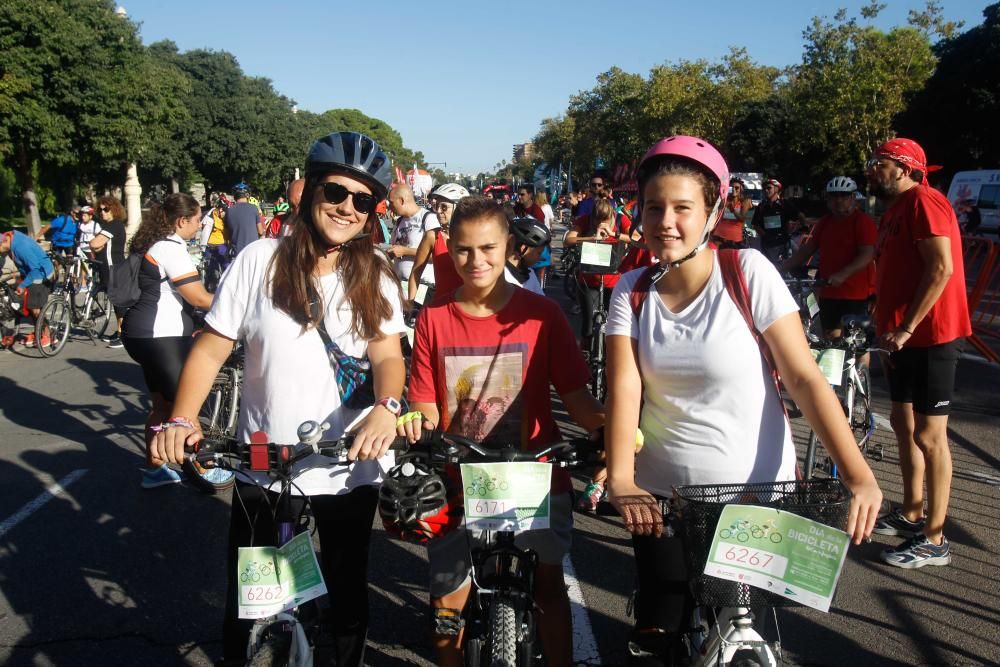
[{"x": 697, "y": 510}]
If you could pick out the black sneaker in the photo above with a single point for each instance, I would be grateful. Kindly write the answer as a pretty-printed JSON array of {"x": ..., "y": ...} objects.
[
  {"x": 894, "y": 523},
  {"x": 115, "y": 341}
]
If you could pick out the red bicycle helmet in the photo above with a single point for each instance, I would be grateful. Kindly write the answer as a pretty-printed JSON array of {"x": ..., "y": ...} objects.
[{"x": 414, "y": 502}]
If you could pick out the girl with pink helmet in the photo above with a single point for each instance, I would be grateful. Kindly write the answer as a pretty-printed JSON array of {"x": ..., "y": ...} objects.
[{"x": 686, "y": 369}]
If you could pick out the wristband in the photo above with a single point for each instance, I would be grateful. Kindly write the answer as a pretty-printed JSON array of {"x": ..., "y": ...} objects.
[
  {"x": 407, "y": 418},
  {"x": 902, "y": 328},
  {"x": 173, "y": 422}
]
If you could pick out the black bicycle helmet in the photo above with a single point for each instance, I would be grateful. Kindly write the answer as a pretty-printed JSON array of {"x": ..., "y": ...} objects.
[
  {"x": 413, "y": 502},
  {"x": 530, "y": 232},
  {"x": 355, "y": 154}
]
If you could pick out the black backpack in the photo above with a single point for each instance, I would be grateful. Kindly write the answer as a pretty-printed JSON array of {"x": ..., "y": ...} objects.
[{"x": 123, "y": 282}]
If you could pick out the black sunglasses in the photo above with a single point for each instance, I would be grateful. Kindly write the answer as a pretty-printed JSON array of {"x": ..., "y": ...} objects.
[
  {"x": 335, "y": 193},
  {"x": 596, "y": 185},
  {"x": 104, "y": 209}
]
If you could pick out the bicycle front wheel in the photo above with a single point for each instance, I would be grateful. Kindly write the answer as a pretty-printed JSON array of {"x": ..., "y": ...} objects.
[
  {"x": 274, "y": 652},
  {"x": 53, "y": 326},
  {"x": 99, "y": 315},
  {"x": 503, "y": 634}
]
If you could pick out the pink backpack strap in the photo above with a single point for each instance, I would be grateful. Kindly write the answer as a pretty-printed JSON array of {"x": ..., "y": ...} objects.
[
  {"x": 640, "y": 290},
  {"x": 736, "y": 285}
]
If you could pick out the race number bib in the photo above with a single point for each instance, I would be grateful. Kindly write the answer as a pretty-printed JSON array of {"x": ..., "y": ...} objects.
[
  {"x": 831, "y": 363},
  {"x": 273, "y": 579},
  {"x": 772, "y": 222},
  {"x": 778, "y": 552},
  {"x": 595, "y": 254},
  {"x": 506, "y": 496}
]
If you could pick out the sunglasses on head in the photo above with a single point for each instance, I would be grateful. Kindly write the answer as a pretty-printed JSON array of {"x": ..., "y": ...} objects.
[{"x": 335, "y": 193}]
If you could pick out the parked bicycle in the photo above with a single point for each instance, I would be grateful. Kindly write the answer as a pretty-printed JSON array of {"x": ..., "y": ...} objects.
[
  {"x": 852, "y": 383},
  {"x": 804, "y": 292},
  {"x": 724, "y": 628},
  {"x": 70, "y": 308}
]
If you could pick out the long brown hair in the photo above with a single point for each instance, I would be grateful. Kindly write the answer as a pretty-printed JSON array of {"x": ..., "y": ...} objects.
[
  {"x": 161, "y": 221},
  {"x": 294, "y": 287}
]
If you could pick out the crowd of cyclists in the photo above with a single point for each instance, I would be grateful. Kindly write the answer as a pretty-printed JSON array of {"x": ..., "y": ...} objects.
[{"x": 699, "y": 329}]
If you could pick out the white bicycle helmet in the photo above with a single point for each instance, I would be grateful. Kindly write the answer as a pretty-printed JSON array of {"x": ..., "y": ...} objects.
[
  {"x": 841, "y": 184},
  {"x": 451, "y": 192}
]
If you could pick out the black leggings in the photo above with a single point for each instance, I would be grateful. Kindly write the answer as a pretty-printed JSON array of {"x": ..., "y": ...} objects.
[
  {"x": 588, "y": 306},
  {"x": 344, "y": 524},
  {"x": 663, "y": 597},
  {"x": 161, "y": 359}
]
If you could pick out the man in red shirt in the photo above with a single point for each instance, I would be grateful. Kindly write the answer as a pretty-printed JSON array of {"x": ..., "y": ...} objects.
[
  {"x": 526, "y": 206},
  {"x": 845, "y": 240},
  {"x": 921, "y": 314},
  {"x": 484, "y": 358}
]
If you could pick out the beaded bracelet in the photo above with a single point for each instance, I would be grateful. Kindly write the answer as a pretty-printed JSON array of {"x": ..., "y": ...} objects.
[{"x": 172, "y": 423}]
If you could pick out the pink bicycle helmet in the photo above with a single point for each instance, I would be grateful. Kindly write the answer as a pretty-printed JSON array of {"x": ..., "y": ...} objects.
[{"x": 691, "y": 148}]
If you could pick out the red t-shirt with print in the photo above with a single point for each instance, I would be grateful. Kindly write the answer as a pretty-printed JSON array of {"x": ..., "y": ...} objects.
[
  {"x": 838, "y": 240},
  {"x": 490, "y": 376},
  {"x": 918, "y": 214}
]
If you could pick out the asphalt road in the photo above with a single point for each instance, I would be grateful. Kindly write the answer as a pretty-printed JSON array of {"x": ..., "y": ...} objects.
[{"x": 95, "y": 570}]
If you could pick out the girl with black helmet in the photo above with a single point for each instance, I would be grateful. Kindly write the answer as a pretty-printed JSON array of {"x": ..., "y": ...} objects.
[
  {"x": 284, "y": 299},
  {"x": 685, "y": 366},
  {"x": 531, "y": 237}
]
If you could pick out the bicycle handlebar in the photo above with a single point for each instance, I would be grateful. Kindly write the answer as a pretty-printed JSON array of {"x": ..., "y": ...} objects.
[{"x": 440, "y": 447}]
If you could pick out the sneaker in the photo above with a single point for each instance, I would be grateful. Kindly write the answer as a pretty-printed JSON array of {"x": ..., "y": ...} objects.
[
  {"x": 209, "y": 480},
  {"x": 28, "y": 340},
  {"x": 219, "y": 478},
  {"x": 917, "y": 552},
  {"x": 591, "y": 497},
  {"x": 46, "y": 339},
  {"x": 154, "y": 477},
  {"x": 7, "y": 342},
  {"x": 115, "y": 341},
  {"x": 894, "y": 523}
]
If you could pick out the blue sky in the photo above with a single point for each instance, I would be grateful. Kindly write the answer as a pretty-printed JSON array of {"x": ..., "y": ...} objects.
[{"x": 464, "y": 81}]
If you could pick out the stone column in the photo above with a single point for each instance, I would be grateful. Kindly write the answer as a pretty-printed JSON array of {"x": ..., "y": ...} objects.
[{"x": 133, "y": 203}]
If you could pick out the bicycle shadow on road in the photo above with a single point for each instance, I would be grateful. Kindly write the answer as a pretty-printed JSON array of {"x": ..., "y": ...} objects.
[
  {"x": 105, "y": 374},
  {"x": 105, "y": 568}
]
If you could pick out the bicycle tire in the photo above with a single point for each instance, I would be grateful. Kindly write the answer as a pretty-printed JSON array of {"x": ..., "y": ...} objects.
[
  {"x": 95, "y": 320},
  {"x": 503, "y": 634},
  {"x": 273, "y": 652},
  {"x": 58, "y": 317},
  {"x": 862, "y": 409},
  {"x": 809, "y": 464}
]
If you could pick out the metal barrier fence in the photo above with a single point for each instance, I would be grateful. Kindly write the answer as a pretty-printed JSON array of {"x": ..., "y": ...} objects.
[{"x": 982, "y": 281}]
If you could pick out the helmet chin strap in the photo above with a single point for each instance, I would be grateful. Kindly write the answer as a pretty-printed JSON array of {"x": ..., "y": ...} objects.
[
  {"x": 334, "y": 248},
  {"x": 665, "y": 267}
]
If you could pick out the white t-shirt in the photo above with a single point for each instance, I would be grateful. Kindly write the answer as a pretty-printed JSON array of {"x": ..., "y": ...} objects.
[
  {"x": 549, "y": 215},
  {"x": 88, "y": 232},
  {"x": 408, "y": 232},
  {"x": 287, "y": 377},
  {"x": 531, "y": 284},
  {"x": 710, "y": 413},
  {"x": 161, "y": 311}
]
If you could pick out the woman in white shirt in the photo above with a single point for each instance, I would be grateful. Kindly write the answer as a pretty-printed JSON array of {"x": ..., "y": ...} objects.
[
  {"x": 276, "y": 296},
  {"x": 688, "y": 372}
]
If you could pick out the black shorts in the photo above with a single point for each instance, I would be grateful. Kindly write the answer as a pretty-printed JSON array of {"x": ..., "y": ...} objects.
[
  {"x": 832, "y": 311},
  {"x": 925, "y": 377},
  {"x": 161, "y": 360},
  {"x": 36, "y": 295}
]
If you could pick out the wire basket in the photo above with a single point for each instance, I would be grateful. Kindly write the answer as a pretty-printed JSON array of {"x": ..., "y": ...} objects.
[{"x": 697, "y": 510}]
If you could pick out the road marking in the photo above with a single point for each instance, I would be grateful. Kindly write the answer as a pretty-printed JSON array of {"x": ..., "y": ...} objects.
[
  {"x": 56, "y": 489},
  {"x": 584, "y": 645},
  {"x": 882, "y": 421}
]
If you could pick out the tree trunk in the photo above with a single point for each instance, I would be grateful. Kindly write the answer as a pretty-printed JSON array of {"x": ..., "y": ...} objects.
[
  {"x": 29, "y": 201},
  {"x": 175, "y": 187}
]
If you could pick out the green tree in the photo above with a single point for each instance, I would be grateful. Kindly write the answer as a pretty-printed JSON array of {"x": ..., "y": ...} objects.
[
  {"x": 853, "y": 80},
  {"x": 954, "y": 116}
]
